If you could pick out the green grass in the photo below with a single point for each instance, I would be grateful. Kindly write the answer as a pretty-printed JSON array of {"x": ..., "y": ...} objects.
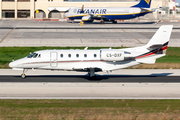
[
  {"x": 87, "y": 109},
  {"x": 172, "y": 56},
  {"x": 8, "y": 53}
]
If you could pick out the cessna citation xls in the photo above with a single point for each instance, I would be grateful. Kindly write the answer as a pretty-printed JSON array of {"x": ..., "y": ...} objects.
[
  {"x": 110, "y": 13},
  {"x": 92, "y": 61}
]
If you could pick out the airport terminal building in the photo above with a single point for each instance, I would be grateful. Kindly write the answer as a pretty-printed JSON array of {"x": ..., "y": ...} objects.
[{"x": 57, "y": 8}]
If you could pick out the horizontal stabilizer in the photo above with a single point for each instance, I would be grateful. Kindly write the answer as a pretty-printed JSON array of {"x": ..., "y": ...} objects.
[
  {"x": 150, "y": 60},
  {"x": 156, "y": 46},
  {"x": 146, "y": 60},
  {"x": 145, "y": 9}
]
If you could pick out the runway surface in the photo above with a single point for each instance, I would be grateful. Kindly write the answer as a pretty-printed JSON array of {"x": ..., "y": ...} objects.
[
  {"x": 98, "y": 79},
  {"x": 121, "y": 84},
  {"x": 123, "y": 75}
]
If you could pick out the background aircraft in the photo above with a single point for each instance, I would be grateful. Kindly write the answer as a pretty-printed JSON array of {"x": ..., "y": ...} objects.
[
  {"x": 110, "y": 13},
  {"x": 92, "y": 61}
]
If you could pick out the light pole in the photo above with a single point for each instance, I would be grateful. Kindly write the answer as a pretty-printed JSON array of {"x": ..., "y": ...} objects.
[{"x": 174, "y": 7}]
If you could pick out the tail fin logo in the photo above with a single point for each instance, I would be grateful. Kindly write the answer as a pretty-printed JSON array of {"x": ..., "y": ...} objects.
[{"x": 148, "y": 1}]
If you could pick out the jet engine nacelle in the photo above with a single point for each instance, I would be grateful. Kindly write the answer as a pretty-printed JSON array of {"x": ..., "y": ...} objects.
[
  {"x": 112, "y": 55},
  {"x": 87, "y": 18}
]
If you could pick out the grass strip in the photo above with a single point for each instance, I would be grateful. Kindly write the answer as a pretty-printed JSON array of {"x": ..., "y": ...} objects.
[
  {"x": 8, "y": 53},
  {"x": 90, "y": 109}
]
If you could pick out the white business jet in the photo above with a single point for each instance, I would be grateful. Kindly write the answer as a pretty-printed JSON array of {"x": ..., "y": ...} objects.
[
  {"x": 110, "y": 13},
  {"x": 92, "y": 61}
]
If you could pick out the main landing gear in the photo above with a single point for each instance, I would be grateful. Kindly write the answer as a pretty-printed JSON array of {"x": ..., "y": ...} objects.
[
  {"x": 91, "y": 73},
  {"x": 114, "y": 22},
  {"x": 23, "y": 75}
]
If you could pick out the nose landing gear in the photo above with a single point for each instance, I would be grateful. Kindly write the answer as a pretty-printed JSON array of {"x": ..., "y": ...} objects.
[{"x": 23, "y": 75}]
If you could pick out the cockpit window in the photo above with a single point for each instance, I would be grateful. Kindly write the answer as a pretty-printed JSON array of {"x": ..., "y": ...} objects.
[
  {"x": 34, "y": 55},
  {"x": 30, "y": 56}
]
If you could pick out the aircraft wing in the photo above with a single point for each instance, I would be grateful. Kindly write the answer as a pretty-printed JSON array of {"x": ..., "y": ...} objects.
[
  {"x": 89, "y": 17},
  {"x": 86, "y": 69}
]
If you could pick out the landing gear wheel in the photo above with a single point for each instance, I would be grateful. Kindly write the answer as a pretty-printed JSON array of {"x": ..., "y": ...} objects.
[
  {"x": 23, "y": 76},
  {"x": 93, "y": 77},
  {"x": 114, "y": 22},
  {"x": 102, "y": 21}
]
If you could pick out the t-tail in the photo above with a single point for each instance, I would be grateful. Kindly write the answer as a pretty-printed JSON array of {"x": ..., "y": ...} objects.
[
  {"x": 157, "y": 46},
  {"x": 143, "y": 4}
]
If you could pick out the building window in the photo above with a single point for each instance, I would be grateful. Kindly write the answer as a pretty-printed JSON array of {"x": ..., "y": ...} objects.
[
  {"x": 61, "y": 55},
  {"x": 7, "y": 13},
  {"x": 23, "y": 13},
  {"x": 95, "y": 55},
  {"x": 77, "y": 55},
  {"x": 8, "y": 0},
  {"x": 69, "y": 55},
  {"x": 23, "y": 0},
  {"x": 85, "y": 55}
]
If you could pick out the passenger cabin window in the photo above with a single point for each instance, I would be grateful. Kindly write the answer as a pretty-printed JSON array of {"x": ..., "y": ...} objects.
[
  {"x": 69, "y": 55},
  {"x": 77, "y": 55},
  {"x": 61, "y": 55},
  {"x": 85, "y": 55},
  {"x": 95, "y": 55}
]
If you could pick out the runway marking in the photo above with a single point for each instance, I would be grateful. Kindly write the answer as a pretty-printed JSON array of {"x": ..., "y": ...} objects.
[
  {"x": 132, "y": 36},
  {"x": 6, "y": 36}
]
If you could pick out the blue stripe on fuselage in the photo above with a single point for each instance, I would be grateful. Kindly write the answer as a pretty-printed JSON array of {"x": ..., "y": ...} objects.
[{"x": 113, "y": 17}]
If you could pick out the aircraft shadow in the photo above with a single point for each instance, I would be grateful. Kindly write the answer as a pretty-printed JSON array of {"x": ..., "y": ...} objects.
[
  {"x": 152, "y": 78},
  {"x": 114, "y": 24}
]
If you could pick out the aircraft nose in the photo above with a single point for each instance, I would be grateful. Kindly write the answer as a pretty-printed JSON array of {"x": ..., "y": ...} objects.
[{"x": 12, "y": 64}]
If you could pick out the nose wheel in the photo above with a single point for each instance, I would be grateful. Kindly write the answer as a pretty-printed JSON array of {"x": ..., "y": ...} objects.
[{"x": 23, "y": 76}]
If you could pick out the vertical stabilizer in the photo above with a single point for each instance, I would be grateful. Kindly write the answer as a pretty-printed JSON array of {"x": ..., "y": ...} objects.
[
  {"x": 161, "y": 37},
  {"x": 157, "y": 46},
  {"x": 143, "y": 4}
]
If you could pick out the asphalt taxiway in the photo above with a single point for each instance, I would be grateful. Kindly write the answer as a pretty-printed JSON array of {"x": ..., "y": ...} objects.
[{"x": 49, "y": 33}]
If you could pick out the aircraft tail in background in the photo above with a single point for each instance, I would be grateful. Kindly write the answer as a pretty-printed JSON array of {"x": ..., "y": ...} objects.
[{"x": 143, "y": 4}]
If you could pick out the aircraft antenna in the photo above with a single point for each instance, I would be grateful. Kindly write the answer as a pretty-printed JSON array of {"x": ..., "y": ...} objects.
[{"x": 85, "y": 48}]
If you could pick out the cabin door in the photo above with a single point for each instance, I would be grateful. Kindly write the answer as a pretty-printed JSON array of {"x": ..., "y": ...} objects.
[{"x": 53, "y": 59}]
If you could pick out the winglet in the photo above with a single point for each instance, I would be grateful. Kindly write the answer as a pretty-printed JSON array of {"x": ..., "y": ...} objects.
[
  {"x": 154, "y": 9},
  {"x": 82, "y": 9}
]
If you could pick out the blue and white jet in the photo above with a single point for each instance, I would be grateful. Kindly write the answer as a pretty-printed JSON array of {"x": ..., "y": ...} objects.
[{"x": 110, "y": 13}]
